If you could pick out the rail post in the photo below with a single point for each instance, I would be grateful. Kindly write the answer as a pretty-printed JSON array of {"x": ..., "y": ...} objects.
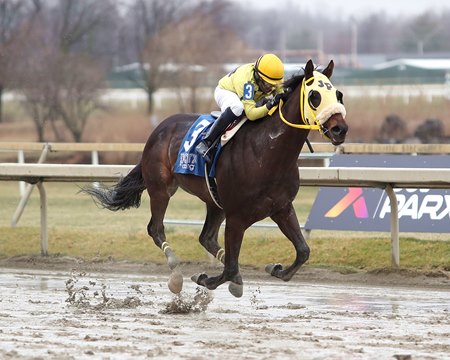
[
  {"x": 395, "y": 243},
  {"x": 44, "y": 230},
  {"x": 28, "y": 190},
  {"x": 21, "y": 160}
]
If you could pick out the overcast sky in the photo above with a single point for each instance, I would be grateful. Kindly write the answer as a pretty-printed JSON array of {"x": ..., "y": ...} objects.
[{"x": 355, "y": 8}]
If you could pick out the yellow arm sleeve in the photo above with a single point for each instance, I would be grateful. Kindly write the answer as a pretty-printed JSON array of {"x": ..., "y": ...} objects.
[{"x": 252, "y": 112}]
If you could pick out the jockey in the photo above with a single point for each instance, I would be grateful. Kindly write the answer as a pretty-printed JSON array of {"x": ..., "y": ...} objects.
[{"x": 245, "y": 89}]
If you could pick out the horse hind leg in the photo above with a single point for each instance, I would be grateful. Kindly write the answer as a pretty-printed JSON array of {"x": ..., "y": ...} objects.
[
  {"x": 155, "y": 228},
  {"x": 210, "y": 232}
]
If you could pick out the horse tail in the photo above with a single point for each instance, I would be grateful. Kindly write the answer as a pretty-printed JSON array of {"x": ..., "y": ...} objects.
[{"x": 123, "y": 195}]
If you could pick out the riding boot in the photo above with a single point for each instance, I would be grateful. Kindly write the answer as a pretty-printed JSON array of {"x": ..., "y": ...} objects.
[{"x": 219, "y": 126}]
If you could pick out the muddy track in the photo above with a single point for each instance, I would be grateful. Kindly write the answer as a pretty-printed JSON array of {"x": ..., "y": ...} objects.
[
  {"x": 385, "y": 277},
  {"x": 63, "y": 309}
]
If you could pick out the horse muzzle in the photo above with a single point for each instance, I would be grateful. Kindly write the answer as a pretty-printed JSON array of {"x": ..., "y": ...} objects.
[
  {"x": 337, "y": 134},
  {"x": 336, "y": 129}
]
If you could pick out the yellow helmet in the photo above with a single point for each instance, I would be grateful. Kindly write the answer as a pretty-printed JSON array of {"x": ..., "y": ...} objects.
[{"x": 270, "y": 68}]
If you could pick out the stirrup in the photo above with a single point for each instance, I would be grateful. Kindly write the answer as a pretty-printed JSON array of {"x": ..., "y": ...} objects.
[{"x": 203, "y": 150}]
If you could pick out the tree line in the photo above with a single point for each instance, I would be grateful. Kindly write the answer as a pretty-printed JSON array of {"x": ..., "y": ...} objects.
[{"x": 56, "y": 53}]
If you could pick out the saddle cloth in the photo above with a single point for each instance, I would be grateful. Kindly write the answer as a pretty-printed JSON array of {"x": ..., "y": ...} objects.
[{"x": 188, "y": 160}]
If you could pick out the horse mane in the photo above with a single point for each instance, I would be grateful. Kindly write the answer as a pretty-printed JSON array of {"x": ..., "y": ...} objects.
[{"x": 293, "y": 82}]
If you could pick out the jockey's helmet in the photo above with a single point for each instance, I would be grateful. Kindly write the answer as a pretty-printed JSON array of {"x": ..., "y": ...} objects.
[{"x": 270, "y": 68}]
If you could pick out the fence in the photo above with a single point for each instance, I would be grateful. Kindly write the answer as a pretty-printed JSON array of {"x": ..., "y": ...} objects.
[
  {"x": 386, "y": 179},
  {"x": 366, "y": 177},
  {"x": 320, "y": 148}
]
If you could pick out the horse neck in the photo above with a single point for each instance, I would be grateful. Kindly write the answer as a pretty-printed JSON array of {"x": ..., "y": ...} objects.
[{"x": 289, "y": 140}]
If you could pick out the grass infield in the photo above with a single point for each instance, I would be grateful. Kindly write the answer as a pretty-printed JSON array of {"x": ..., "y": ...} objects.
[{"x": 78, "y": 228}]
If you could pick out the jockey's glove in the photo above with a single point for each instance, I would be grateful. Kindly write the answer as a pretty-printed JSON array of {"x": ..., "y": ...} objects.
[
  {"x": 274, "y": 101},
  {"x": 262, "y": 102}
]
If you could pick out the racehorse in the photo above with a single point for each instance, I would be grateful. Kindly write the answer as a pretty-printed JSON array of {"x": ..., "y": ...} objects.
[{"x": 257, "y": 177}]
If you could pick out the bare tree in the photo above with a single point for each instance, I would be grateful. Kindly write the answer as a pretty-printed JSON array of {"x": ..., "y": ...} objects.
[
  {"x": 59, "y": 80},
  {"x": 80, "y": 79},
  {"x": 15, "y": 19},
  {"x": 34, "y": 81},
  {"x": 421, "y": 31},
  {"x": 197, "y": 45},
  {"x": 76, "y": 22},
  {"x": 62, "y": 87},
  {"x": 150, "y": 18}
]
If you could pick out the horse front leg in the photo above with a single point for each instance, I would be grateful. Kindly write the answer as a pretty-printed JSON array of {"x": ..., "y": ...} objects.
[
  {"x": 233, "y": 240},
  {"x": 287, "y": 221}
]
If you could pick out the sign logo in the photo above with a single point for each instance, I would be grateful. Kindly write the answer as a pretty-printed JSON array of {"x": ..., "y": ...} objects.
[
  {"x": 418, "y": 204},
  {"x": 355, "y": 199},
  {"x": 369, "y": 209}
]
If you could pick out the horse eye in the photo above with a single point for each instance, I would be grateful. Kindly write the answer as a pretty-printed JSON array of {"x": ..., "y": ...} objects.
[
  {"x": 340, "y": 97},
  {"x": 314, "y": 99}
]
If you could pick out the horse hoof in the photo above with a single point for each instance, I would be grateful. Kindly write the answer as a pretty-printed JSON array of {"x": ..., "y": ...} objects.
[
  {"x": 172, "y": 261},
  {"x": 236, "y": 289},
  {"x": 199, "y": 278},
  {"x": 272, "y": 268},
  {"x": 175, "y": 282}
]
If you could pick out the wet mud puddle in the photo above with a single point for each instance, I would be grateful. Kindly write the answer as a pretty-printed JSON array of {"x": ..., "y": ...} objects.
[{"x": 114, "y": 316}]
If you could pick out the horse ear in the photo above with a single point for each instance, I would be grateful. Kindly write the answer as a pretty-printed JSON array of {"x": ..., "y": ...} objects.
[
  {"x": 309, "y": 68},
  {"x": 329, "y": 69}
]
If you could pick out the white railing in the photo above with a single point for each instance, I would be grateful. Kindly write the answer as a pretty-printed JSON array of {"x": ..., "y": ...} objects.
[
  {"x": 322, "y": 150},
  {"x": 386, "y": 179}
]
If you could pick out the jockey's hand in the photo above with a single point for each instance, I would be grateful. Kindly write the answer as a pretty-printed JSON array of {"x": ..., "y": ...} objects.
[
  {"x": 274, "y": 101},
  {"x": 262, "y": 102}
]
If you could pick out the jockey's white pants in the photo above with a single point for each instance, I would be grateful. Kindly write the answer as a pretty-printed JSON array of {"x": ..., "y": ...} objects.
[{"x": 228, "y": 99}]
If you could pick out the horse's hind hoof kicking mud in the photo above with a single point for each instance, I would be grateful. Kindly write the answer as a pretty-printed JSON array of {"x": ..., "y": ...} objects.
[
  {"x": 276, "y": 270},
  {"x": 279, "y": 272},
  {"x": 236, "y": 287}
]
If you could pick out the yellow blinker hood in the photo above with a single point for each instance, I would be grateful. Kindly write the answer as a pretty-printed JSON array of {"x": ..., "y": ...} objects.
[{"x": 329, "y": 104}]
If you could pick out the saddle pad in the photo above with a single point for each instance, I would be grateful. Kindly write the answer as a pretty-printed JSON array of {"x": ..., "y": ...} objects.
[{"x": 188, "y": 161}]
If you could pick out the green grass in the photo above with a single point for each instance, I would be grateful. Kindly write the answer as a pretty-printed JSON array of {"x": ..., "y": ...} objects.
[{"x": 78, "y": 228}]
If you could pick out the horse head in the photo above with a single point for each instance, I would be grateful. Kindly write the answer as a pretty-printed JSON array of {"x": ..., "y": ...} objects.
[{"x": 321, "y": 104}]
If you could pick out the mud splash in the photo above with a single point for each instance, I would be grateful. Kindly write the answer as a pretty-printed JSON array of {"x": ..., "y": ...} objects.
[
  {"x": 184, "y": 303},
  {"x": 86, "y": 293}
]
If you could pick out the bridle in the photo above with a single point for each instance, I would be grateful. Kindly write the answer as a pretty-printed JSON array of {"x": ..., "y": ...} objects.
[
  {"x": 307, "y": 109},
  {"x": 303, "y": 102}
]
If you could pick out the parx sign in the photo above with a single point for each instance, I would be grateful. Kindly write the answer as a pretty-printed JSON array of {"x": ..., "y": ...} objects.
[{"x": 366, "y": 209}]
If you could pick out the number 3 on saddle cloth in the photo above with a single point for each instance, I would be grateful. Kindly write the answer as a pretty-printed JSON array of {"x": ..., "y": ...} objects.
[{"x": 190, "y": 162}]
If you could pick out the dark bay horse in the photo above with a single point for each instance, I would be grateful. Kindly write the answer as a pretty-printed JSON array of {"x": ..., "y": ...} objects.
[{"x": 257, "y": 177}]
